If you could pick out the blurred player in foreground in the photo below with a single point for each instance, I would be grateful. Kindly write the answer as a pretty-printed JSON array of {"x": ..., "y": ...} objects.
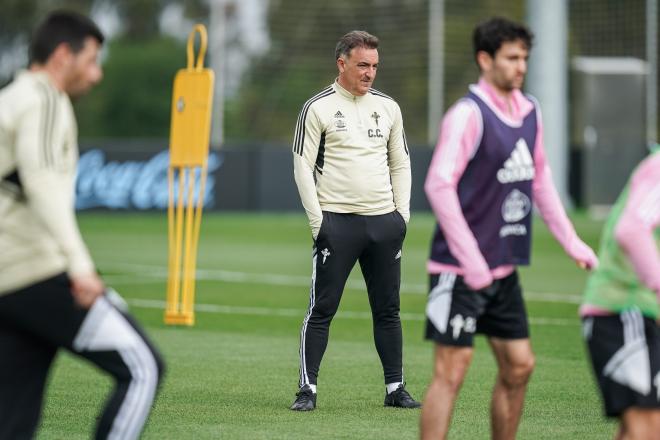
[
  {"x": 488, "y": 168},
  {"x": 620, "y": 310},
  {"x": 50, "y": 293}
]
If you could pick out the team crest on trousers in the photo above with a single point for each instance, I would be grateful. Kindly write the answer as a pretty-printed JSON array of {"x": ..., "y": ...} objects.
[{"x": 326, "y": 253}]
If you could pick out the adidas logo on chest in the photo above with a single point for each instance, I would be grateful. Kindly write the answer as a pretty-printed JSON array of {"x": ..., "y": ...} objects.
[{"x": 519, "y": 166}]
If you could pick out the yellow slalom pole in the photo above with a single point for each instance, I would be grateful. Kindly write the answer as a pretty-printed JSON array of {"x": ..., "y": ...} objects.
[
  {"x": 172, "y": 289},
  {"x": 189, "y": 149},
  {"x": 188, "y": 267},
  {"x": 178, "y": 243},
  {"x": 196, "y": 228}
]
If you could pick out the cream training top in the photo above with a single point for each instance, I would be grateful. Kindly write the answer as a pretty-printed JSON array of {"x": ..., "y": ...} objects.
[
  {"x": 350, "y": 155},
  {"x": 39, "y": 236}
]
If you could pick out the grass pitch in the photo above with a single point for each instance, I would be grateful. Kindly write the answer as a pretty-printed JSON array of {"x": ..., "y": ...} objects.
[{"x": 234, "y": 374}]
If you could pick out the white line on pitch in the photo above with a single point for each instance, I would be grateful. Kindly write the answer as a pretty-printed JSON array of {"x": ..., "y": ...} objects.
[
  {"x": 295, "y": 313},
  {"x": 148, "y": 273}
]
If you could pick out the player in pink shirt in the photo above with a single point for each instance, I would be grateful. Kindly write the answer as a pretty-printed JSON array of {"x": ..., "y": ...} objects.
[
  {"x": 621, "y": 307},
  {"x": 488, "y": 168}
]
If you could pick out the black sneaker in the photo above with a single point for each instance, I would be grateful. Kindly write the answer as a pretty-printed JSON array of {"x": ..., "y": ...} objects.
[
  {"x": 305, "y": 400},
  {"x": 400, "y": 398}
]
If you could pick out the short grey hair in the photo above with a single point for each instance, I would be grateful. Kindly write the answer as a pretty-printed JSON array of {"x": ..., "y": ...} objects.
[{"x": 355, "y": 39}]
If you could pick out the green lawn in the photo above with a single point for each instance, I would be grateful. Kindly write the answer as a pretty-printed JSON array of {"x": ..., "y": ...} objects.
[{"x": 234, "y": 374}]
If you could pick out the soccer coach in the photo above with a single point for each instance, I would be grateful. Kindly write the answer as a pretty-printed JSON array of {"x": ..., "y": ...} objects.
[{"x": 352, "y": 169}]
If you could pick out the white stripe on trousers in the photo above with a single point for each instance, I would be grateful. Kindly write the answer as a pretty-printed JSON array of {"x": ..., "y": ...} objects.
[
  {"x": 304, "y": 379},
  {"x": 141, "y": 392},
  {"x": 105, "y": 329},
  {"x": 633, "y": 326},
  {"x": 630, "y": 365},
  {"x": 439, "y": 301}
]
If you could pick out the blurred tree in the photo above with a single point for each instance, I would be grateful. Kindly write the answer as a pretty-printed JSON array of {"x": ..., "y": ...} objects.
[
  {"x": 301, "y": 62},
  {"x": 17, "y": 16},
  {"x": 134, "y": 98},
  {"x": 460, "y": 19},
  {"x": 140, "y": 17}
]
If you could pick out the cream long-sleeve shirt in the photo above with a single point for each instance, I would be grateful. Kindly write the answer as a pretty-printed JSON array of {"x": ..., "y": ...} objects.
[
  {"x": 350, "y": 155},
  {"x": 39, "y": 236}
]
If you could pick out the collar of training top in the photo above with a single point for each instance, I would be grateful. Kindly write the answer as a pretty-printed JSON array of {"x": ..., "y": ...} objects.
[
  {"x": 345, "y": 93},
  {"x": 40, "y": 76}
]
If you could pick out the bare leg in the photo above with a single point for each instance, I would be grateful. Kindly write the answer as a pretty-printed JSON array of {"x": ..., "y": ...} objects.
[
  {"x": 451, "y": 365},
  {"x": 515, "y": 362},
  {"x": 639, "y": 424}
]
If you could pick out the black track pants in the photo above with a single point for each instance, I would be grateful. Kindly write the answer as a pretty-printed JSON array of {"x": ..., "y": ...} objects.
[
  {"x": 36, "y": 321},
  {"x": 344, "y": 239}
]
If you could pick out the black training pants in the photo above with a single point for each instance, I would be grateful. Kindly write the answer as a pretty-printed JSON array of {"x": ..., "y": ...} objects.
[
  {"x": 374, "y": 241},
  {"x": 36, "y": 321}
]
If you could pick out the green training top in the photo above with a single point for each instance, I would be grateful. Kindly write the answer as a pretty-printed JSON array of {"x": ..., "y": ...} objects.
[{"x": 614, "y": 285}]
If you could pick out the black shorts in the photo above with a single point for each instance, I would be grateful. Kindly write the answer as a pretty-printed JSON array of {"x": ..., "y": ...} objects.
[
  {"x": 625, "y": 355},
  {"x": 455, "y": 312},
  {"x": 36, "y": 321}
]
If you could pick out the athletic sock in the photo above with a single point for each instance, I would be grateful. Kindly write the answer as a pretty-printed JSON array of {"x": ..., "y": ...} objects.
[
  {"x": 392, "y": 387},
  {"x": 313, "y": 387}
]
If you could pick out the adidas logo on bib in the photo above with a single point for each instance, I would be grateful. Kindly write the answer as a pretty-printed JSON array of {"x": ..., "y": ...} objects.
[{"x": 519, "y": 166}]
